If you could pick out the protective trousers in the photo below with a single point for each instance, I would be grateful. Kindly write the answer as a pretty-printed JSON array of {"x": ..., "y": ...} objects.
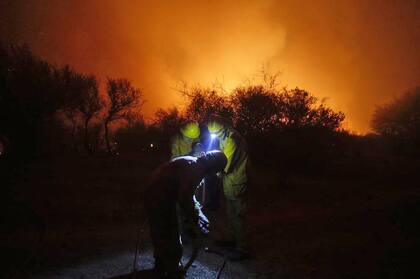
[
  {"x": 236, "y": 212},
  {"x": 165, "y": 237}
]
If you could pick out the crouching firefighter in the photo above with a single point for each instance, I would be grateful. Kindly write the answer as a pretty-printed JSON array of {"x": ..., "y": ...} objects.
[{"x": 172, "y": 186}]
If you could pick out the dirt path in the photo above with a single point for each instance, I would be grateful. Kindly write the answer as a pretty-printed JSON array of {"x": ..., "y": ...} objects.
[{"x": 120, "y": 264}]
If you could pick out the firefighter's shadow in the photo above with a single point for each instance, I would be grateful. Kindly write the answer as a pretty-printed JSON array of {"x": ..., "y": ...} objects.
[{"x": 141, "y": 274}]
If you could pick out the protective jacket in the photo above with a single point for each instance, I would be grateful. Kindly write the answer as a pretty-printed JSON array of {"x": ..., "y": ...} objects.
[
  {"x": 181, "y": 145},
  {"x": 175, "y": 182},
  {"x": 235, "y": 149},
  {"x": 172, "y": 185}
]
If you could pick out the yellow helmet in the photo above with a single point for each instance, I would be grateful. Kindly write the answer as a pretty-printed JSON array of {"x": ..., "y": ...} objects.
[
  {"x": 214, "y": 127},
  {"x": 191, "y": 130}
]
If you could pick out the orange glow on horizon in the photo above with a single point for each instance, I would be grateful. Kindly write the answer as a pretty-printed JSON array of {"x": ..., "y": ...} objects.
[{"x": 344, "y": 51}]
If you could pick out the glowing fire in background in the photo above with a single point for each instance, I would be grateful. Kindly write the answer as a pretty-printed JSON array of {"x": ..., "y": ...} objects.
[{"x": 343, "y": 50}]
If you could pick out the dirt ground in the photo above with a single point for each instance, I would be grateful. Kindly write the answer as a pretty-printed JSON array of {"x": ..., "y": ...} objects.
[{"x": 299, "y": 227}]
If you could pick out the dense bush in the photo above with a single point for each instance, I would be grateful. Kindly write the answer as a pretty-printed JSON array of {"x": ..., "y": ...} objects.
[
  {"x": 290, "y": 128},
  {"x": 398, "y": 122}
]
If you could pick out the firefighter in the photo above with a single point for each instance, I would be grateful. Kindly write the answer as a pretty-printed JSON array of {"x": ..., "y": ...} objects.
[
  {"x": 173, "y": 185},
  {"x": 234, "y": 186},
  {"x": 183, "y": 143},
  {"x": 186, "y": 142}
]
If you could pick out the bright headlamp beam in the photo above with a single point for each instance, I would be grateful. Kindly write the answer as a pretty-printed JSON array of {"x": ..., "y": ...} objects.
[{"x": 212, "y": 137}]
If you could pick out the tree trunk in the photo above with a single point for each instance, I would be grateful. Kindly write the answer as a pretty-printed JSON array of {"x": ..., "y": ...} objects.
[
  {"x": 73, "y": 133},
  {"x": 108, "y": 145},
  {"x": 86, "y": 136}
]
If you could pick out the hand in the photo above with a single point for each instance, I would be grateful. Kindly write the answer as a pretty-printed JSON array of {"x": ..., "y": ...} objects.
[
  {"x": 204, "y": 225},
  {"x": 220, "y": 174}
]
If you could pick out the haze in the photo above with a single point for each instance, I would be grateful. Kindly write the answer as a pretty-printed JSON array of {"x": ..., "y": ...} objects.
[{"x": 357, "y": 54}]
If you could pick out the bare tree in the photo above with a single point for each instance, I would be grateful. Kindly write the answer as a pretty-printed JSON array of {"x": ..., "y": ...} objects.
[
  {"x": 205, "y": 103},
  {"x": 90, "y": 105},
  {"x": 123, "y": 97},
  {"x": 82, "y": 101},
  {"x": 69, "y": 81},
  {"x": 168, "y": 121}
]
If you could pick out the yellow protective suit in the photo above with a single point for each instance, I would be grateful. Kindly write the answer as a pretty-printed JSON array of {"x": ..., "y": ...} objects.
[
  {"x": 181, "y": 146},
  {"x": 183, "y": 142},
  {"x": 234, "y": 180}
]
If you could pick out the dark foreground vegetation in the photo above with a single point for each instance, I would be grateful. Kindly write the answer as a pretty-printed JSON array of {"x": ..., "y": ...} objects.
[{"x": 323, "y": 203}]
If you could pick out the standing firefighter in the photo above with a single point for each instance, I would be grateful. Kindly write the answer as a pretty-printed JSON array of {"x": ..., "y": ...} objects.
[
  {"x": 182, "y": 143},
  {"x": 234, "y": 185},
  {"x": 173, "y": 185}
]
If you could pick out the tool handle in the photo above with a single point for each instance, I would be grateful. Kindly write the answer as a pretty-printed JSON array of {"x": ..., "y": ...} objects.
[
  {"x": 219, "y": 272},
  {"x": 194, "y": 256}
]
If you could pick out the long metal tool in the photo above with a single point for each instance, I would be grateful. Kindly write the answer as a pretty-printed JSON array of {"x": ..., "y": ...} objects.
[
  {"x": 140, "y": 230},
  {"x": 219, "y": 272},
  {"x": 203, "y": 193},
  {"x": 193, "y": 257},
  {"x": 220, "y": 253}
]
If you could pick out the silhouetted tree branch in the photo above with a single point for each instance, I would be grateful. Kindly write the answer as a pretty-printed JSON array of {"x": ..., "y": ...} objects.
[
  {"x": 205, "y": 103},
  {"x": 90, "y": 105},
  {"x": 123, "y": 97}
]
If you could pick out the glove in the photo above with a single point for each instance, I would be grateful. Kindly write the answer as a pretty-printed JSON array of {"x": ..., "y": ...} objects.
[
  {"x": 220, "y": 174},
  {"x": 203, "y": 224}
]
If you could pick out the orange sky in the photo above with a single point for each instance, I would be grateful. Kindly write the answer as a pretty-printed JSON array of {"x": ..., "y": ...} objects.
[{"x": 357, "y": 53}]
